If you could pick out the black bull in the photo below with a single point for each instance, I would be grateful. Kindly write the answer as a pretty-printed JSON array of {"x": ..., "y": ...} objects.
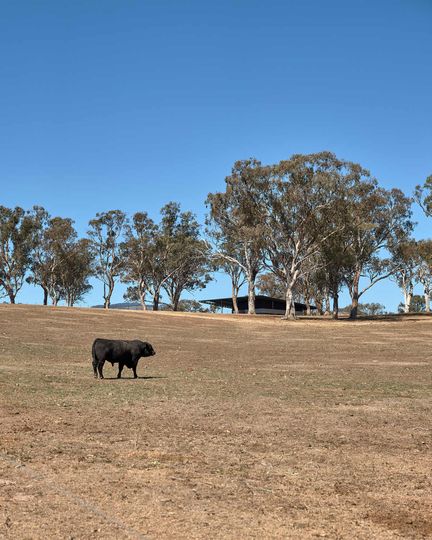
[{"x": 125, "y": 353}]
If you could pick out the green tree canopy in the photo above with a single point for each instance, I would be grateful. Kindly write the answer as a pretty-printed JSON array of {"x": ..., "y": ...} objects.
[{"x": 17, "y": 239}]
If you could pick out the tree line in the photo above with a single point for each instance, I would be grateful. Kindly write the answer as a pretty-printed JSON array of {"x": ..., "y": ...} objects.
[
  {"x": 301, "y": 229},
  {"x": 149, "y": 257}
]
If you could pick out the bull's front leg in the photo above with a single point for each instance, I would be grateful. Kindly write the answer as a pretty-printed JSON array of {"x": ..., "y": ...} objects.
[{"x": 134, "y": 367}]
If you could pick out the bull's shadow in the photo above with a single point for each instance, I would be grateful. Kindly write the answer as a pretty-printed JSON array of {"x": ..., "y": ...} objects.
[{"x": 145, "y": 377}]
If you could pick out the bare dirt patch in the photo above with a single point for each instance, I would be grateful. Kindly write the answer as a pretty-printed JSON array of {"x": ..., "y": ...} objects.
[{"x": 237, "y": 428}]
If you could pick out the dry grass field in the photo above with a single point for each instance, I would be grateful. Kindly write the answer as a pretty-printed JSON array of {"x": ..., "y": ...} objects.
[{"x": 238, "y": 428}]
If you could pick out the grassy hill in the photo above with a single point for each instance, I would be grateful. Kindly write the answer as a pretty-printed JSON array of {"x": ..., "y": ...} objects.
[{"x": 239, "y": 427}]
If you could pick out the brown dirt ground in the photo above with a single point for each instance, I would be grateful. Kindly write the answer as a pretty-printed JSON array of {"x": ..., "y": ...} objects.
[{"x": 240, "y": 427}]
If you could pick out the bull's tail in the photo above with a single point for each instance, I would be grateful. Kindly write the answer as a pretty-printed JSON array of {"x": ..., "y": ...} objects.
[{"x": 95, "y": 361}]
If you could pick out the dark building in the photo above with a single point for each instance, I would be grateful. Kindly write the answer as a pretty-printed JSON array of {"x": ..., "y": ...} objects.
[{"x": 264, "y": 305}]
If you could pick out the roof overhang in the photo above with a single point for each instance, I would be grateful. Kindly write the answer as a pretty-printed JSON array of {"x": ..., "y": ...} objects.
[{"x": 228, "y": 302}]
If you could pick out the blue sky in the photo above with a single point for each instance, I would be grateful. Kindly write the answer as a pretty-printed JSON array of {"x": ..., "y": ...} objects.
[{"x": 131, "y": 103}]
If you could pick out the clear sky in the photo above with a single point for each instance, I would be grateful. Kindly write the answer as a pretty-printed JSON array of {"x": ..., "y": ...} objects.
[{"x": 132, "y": 103}]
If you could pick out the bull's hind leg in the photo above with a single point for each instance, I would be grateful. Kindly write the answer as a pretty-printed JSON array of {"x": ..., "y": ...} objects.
[
  {"x": 100, "y": 368},
  {"x": 121, "y": 366}
]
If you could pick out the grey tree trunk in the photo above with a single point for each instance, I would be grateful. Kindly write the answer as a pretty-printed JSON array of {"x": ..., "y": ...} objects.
[
  {"x": 335, "y": 313},
  {"x": 427, "y": 302},
  {"x": 355, "y": 296},
  {"x": 251, "y": 296},
  {"x": 407, "y": 300},
  {"x": 289, "y": 308},
  {"x": 327, "y": 304},
  {"x": 142, "y": 292},
  {"x": 234, "y": 299},
  {"x": 156, "y": 300},
  {"x": 176, "y": 300},
  {"x": 107, "y": 295}
]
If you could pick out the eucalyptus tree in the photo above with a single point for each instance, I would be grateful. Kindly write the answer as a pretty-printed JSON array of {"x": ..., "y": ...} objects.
[
  {"x": 378, "y": 220},
  {"x": 424, "y": 270},
  {"x": 228, "y": 266},
  {"x": 59, "y": 239},
  {"x": 147, "y": 257},
  {"x": 75, "y": 272},
  {"x": 405, "y": 261},
  {"x": 192, "y": 306},
  {"x": 53, "y": 253},
  {"x": 105, "y": 233},
  {"x": 140, "y": 258},
  {"x": 333, "y": 260},
  {"x": 169, "y": 255},
  {"x": 238, "y": 216},
  {"x": 318, "y": 290},
  {"x": 423, "y": 196},
  {"x": 188, "y": 266},
  {"x": 300, "y": 207},
  {"x": 313, "y": 285},
  {"x": 417, "y": 305},
  {"x": 236, "y": 274},
  {"x": 40, "y": 261},
  {"x": 372, "y": 309},
  {"x": 16, "y": 243}
]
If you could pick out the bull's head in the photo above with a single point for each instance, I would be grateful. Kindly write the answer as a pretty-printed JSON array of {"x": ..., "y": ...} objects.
[{"x": 148, "y": 350}]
